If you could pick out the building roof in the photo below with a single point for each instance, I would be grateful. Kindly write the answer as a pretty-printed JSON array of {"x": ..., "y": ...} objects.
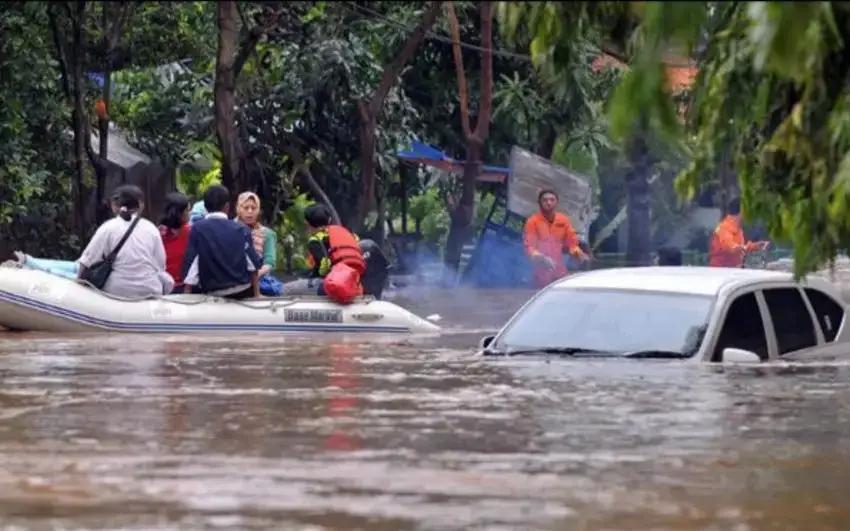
[
  {"x": 120, "y": 152},
  {"x": 681, "y": 73},
  {"x": 430, "y": 156}
]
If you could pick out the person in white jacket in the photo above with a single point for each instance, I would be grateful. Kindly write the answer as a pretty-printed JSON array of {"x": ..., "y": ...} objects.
[{"x": 139, "y": 268}]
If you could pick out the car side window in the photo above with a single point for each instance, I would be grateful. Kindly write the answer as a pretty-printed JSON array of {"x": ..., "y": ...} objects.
[
  {"x": 829, "y": 313},
  {"x": 743, "y": 328},
  {"x": 791, "y": 319}
]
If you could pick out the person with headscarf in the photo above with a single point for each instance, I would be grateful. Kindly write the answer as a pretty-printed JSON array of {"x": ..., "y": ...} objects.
[{"x": 263, "y": 238}]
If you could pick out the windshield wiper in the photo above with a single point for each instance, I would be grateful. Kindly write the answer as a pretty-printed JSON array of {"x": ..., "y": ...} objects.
[
  {"x": 656, "y": 354},
  {"x": 566, "y": 351}
]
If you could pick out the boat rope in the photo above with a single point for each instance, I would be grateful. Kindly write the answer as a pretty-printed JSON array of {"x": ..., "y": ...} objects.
[{"x": 273, "y": 304}]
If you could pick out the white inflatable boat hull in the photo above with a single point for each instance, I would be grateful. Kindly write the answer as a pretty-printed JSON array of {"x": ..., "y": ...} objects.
[{"x": 38, "y": 301}]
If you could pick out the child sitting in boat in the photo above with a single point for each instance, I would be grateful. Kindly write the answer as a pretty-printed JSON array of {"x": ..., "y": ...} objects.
[
  {"x": 174, "y": 229},
  {"x": 221, "y": 259}
]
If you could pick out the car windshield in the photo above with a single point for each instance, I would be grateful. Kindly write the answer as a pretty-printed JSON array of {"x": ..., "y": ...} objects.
[{"x": 611, "y": 321}]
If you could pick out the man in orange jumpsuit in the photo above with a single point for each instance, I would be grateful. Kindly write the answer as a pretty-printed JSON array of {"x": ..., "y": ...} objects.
[
  {"x": 728, "y": 247},
  {"x": 546, "y": 236}
]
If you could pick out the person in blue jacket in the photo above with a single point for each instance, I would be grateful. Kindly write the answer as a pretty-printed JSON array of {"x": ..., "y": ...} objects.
[{"x": 220, "y": 258}]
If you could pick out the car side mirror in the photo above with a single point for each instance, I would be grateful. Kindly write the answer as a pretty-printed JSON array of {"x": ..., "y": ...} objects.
[
  {"x": 486, "y": 341},
  {"x": 738, "y": 355}
]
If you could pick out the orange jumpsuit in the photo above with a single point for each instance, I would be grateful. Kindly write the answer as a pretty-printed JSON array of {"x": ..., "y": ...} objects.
[
  {"x": 727, "y": 236},
  {"x": 549, "y": 239}
]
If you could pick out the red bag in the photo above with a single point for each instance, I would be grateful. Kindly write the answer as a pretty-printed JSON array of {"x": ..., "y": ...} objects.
[{"x": 342, "y": 284}]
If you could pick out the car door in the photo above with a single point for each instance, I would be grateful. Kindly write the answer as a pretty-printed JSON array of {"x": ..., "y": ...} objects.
[
  {"x": 829, "y": 313},
  {"x": 743, "y": 327},
  {"x": 792, "y": 321}
]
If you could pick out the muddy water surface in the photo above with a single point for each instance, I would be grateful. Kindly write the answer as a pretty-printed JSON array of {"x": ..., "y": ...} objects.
[{"x": 348, "y": 432}]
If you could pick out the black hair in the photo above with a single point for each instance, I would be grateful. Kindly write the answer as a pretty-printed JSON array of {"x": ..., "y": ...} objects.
[
  {"x": 216, "y": 198},
  {"x": 128, "y": 198},
  {"x": 734, "y": 207},
  {"x": 669, "y": 256},
  {"x": 175, "y": 207},
  {"x": 544, "y": 192},
  {"x": 317, "y": 215}
]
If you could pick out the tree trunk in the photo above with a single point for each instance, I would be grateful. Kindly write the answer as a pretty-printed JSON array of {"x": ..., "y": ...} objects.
[
  {"x": 225, "y": 95},
  {"x": 368, "y": 124},
  {"x": 463, "y": 214},
  {"x": 102, "y": 211},
  {"x": 381, "y": 222},
  {"x": 405, "y": 170},
  {"x": 638, "y": 252},
  {"x": 103, "y": 121},
  {"x": 80, "y": 192},
  {"x": 546, "y": 145},
  {"x": 370, "y": 111}
]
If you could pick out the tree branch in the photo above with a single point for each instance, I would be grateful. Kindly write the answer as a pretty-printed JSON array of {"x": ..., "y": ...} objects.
[
  {"x": 62, "y": 56},
  {"x": 462, "y": 89},
  {"x": 124, "y": 14},
  {"x": 249, "y": 43},
  {"x": 482, "y": 127},
  {"x": 392, "y": 71},
  {"x": 301, "y": 167}
]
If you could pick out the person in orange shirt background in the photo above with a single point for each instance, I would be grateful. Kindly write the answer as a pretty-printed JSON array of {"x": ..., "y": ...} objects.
[
  {"x": 728, "y": 246},
  {"x": 547, "y": 234}
]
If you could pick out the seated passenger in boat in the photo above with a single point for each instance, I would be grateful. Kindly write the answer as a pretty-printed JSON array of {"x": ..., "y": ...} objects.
[
  {"x": 198, "y": 212},
  {"x": 377, "y": 268},
  {"x": 174, "y": 230},
  {"x": 264, "y": 240},
  {"x": 139, "y": 267},
  {"x": 221, "y": 259},
  {"x": 328, "y": 245}
]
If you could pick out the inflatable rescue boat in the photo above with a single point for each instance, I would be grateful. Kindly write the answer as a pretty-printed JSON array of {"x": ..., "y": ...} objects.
[{"x": 35, "y": 300}]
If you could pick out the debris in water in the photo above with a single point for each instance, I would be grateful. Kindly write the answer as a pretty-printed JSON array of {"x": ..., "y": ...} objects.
[{"x": 434, "y": 317}]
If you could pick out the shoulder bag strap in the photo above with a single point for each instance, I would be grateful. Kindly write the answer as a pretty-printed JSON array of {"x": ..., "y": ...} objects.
[{"x": 111, "y": 257}]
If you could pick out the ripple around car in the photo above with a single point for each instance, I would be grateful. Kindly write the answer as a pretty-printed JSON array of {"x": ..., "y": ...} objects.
[{"x": 692, "y": 313}]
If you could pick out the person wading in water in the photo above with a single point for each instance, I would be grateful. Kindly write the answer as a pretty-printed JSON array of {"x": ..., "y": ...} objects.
[
  {"x": 728, "y": 246},
  {"x": 546, "y": 236}
]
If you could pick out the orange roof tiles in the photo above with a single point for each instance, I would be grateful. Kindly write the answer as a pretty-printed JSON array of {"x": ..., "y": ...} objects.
[{"x": 679, "y": 77}]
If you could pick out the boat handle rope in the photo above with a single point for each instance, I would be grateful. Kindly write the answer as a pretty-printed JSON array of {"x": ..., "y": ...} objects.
[{"x": 272, "y": 305}]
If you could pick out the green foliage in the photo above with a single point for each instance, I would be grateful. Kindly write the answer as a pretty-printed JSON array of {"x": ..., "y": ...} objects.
[
  {"x": 164, "y": 32},
  {"x": 192, "y": 178},
  {"x": 35, "y": 152},
  {"x": 770, "y": 103},
  {"x": 642, "y": 99},
  {"x": 772, "y": 99},
  {"x": 164, "y": 113},
  {"x": 429, "y": 213},
  {"x": 292, "y": 234}
]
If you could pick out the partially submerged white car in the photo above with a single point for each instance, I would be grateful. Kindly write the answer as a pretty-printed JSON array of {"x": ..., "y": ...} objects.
[{"x": 694, "y": 313}]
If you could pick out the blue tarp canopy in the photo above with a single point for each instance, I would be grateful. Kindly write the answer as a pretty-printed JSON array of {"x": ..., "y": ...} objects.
[
  {"x": 97, "y": 78},
  {"x": 431, "y": 156}
]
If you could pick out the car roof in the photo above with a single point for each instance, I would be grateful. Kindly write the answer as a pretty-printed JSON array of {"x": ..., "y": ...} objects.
[{"x": 672, "y": 279}]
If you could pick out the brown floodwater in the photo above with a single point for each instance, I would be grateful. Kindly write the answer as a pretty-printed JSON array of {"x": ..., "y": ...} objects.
[{"x": 357, "y": 432}]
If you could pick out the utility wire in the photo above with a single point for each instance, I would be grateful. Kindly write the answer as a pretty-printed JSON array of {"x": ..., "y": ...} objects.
[{"x": 436, "y": 36}]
